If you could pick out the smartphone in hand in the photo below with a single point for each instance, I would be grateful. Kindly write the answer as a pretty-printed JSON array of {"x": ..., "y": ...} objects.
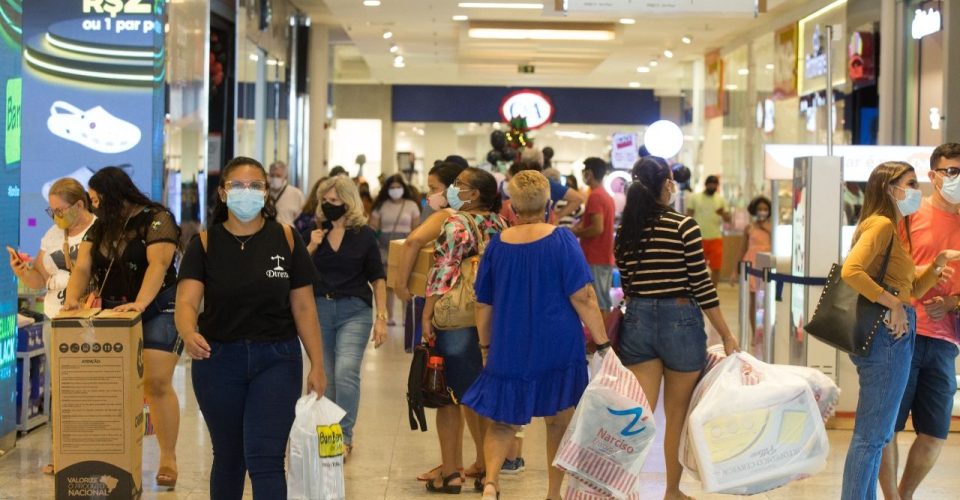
[{"x": 14, "y": 254}]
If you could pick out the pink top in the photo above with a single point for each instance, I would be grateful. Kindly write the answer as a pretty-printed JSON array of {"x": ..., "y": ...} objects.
[
  {"x": 759, "y": 242},
  {"x": 931, "y": 231}
]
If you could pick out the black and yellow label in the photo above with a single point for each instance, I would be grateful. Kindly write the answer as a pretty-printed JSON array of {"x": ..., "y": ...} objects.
[{"x": 330, "y": 440}]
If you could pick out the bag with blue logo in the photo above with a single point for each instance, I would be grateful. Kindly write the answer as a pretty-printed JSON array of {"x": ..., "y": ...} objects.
[
  {"x": 611, "y": 432},
  {"x": 316, "y": 451}
]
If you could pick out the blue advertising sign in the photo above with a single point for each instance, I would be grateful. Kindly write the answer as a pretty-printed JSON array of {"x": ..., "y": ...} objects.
[
  {"x": 93, "y": 74},
  {"x": 10, "y": 87}
]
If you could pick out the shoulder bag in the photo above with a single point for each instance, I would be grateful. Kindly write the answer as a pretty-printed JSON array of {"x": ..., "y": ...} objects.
[
  {"x": 455, "y": 309},
  {"x": 845, "y": 319}
]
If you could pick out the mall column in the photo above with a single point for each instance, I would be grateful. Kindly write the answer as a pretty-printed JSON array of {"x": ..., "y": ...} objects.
[
  {"x": 318, "y": 71},
  {"x": 951, "y": 64}
]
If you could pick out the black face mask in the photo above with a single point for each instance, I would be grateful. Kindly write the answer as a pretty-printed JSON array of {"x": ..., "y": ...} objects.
[
  {"x": 333, "y": 212},
  {"x": 710, "y": 190}
]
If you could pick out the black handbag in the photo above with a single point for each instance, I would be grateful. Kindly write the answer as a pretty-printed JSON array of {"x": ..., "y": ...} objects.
[
  {"x": 845, "y": 319},
  {"x": 419, "y": 395}
]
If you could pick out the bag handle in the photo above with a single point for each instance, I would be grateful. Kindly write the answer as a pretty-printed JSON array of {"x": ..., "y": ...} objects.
[
  {"x": 886, "y": 260},
  {"x": 481, "y": 244},
  {"x": 287, "y": 233}
]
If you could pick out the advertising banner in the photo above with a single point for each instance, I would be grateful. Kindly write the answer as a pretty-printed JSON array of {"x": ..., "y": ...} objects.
[
  {"x": 785, "y": 66},
  {"x": 93, "y": 73},
  {"x": 10, "y": 85},
  {"x": 625, "y": 151},
  {"x": 713, "y": 88}
]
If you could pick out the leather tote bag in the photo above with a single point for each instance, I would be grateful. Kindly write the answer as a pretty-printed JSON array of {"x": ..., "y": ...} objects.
[
  {"x": 456, "y": 308},
  {"x": 845, "y": 319}
]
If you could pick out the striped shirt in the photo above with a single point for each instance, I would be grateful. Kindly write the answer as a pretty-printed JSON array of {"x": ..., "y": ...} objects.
[{"x": 670, "y": 263}]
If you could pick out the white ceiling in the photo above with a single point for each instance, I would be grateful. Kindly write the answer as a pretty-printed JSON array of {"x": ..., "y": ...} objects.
[{"x": 436, "y": 49}]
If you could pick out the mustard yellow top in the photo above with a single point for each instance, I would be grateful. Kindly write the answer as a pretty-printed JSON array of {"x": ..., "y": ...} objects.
[{"x": 865, "y": 258}]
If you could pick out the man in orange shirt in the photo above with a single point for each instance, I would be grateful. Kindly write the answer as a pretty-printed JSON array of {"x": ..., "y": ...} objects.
[
  {"x": 595, "y": 231},
  {"x": 932, "y": 382}
]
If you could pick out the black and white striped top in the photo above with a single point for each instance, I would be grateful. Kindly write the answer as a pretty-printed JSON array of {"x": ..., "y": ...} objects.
[{"x": 669, "y": 264}]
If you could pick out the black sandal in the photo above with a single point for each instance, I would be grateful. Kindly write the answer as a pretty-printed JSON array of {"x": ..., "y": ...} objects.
[
  {"x": 450, "y": 489},
  {"x": 479, "y": 482}
]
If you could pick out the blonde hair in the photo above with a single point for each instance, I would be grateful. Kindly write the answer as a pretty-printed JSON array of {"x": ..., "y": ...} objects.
[
  {"x": 347, "y": 191},
  {"x": 529, "y": 193},
  {"x": 71, "y": 191}
]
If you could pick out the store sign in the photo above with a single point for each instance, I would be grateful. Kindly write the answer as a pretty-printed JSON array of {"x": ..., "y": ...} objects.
[
  {"x": 93, "y": 82},
  {"x": 533, "y": 105},
  {"x": 785, "y": 65},
  {"x": 766, "y": 112},
  {"x": 625, "y": 151},
  {"x": 815, "y": 62},
  {"x": 747, "y": 7},
  {"x": 858, "y": 161},
  {"x": 925, "y": 22}
]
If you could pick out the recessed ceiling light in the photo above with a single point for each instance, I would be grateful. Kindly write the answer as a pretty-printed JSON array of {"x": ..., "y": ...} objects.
[
  {"x": 730, "y": 87},
  {"x": 627, "y": 20},
  {"x": 653, "y": 64},
  {"x": 668, "y": 53},
  {"x": 686, "y": 40},
  {"x": 743, "y": 71},
  {"x": 460, "y": 17},
  {"x": 499, "y": 5},
  {"x": 634, "y": 85},
  {"x": 643, "y": 69},
  {"x": 254, "y": 57},
  {"x": 398, "y": 60},
  {"x": 394, "y": 49},
  {"x": 595, "y": 35},
  {"x": 769, "y": 66},
  {"x": 387, "y": 35},
  {"x": 371, "y": 3}
]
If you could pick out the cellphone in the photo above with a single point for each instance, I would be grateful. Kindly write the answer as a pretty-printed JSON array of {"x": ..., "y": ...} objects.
[{"x": 14, "y": 253}]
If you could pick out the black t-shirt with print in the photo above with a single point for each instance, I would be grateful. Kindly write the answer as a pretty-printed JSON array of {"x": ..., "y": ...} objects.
[
  {"x": 147, "y": 227},
  {"x": 247, "y": 292}
]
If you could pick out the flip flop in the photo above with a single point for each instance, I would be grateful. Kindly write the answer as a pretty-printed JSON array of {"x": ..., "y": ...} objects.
[{"x": 94, "y": 128}]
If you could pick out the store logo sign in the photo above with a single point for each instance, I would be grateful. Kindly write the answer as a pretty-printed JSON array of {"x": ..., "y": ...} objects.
[
  {"x": 925, "y": 23},
  {"x": 535, "y": 106},
  {"x": 815, "y": 63}
]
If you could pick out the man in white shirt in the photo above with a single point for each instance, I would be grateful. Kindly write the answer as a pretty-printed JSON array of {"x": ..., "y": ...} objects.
[{"x": 287, "y": 199}]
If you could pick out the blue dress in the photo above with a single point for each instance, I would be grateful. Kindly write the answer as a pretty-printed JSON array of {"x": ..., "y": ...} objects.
[{"x": 537, "y": 361}]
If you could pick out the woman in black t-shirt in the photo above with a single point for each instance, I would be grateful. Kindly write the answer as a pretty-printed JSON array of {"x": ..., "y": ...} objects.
[
  {"x": 254, "y": 277},
  {"x": 345, "y": 251},
  {"x": 129, "y": 251}
]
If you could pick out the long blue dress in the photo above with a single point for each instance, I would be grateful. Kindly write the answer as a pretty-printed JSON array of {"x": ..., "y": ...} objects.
[{"x": 537, "y": 363}]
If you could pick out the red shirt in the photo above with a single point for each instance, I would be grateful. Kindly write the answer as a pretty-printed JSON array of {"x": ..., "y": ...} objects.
[
  {"x": 931, "y": 231},
  {"x": 599, "y": 249}
]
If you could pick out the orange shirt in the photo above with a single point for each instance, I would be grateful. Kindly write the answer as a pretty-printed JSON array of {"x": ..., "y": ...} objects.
[{"x": 932, "y": 231}]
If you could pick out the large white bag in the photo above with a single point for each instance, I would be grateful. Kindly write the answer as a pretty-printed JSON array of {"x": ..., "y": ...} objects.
[
  {"x": 752, "y": 427},
  {"x": 316, "y": 451},
  {"x": 610, "y": 434}
]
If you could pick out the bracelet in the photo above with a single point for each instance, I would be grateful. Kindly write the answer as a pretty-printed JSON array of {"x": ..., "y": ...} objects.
[
  {"x": 484, "y": 347},
  {"x": 382, "y": 316},
  {"x": 603, "y": 346}
]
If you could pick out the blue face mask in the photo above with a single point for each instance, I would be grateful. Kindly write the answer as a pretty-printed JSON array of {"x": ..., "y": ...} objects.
[
  {"x": 453, "y": 198},
  {"x": 910, "y": 202},
  {"x": 245, "y": 203}
]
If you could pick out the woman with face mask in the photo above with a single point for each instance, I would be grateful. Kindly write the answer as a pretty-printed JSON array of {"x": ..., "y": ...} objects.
[
  {"x": 129, "y": 251},
  {"x": 757, "y": 239},
  {"x": 70, "y": 210},
  {"x": 395, "y": 214},
  {"x": 891, "y": 196},
  {"x": 254, "y": 278},
  {"x": 344, "y": 251}
]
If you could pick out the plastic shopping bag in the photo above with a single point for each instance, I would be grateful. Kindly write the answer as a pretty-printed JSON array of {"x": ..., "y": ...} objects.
[
  {"x": 579, "y": 490},
  {"x": 316, "y": 451},
  {"x": 752, "y": 427},
  {"x": 610, "y": 434}
]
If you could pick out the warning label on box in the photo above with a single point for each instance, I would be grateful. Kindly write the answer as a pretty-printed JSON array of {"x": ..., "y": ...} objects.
[{"x": 91, "y": 413}]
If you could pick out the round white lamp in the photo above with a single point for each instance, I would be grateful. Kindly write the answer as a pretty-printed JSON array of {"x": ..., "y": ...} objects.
[{"x": 663, "y": 138}]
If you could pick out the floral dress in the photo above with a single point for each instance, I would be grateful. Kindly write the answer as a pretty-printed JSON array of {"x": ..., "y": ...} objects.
[{"x": 456, "y": 242}]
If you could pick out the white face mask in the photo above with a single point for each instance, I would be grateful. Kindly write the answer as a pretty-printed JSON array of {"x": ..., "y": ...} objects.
[
  {"x": 951, "y": 190},
  {"x": 674, "y": 194},
  {"x": 395, "y": 193},
  {"x": 277, "y": 183}
]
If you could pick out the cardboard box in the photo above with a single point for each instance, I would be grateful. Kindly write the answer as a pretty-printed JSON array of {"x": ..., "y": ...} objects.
[
  {"x": 97, "y": 369},
  {"x": 417, "y": 283}
]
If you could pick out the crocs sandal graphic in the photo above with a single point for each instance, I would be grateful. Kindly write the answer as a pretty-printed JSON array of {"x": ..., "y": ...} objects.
[
  {"x": 81, "y": 175},
  {"x": 94, "y": 128}
]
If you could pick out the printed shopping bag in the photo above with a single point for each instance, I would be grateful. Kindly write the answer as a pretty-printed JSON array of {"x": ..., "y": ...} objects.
[
  {"x": 316, "y": 451},
  {"x": 752, "y": 427},
  {"x": 611, "y": 432}
]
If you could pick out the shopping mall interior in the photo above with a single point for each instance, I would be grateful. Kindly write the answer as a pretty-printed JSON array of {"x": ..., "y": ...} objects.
[{"x": 795, "y": 101}]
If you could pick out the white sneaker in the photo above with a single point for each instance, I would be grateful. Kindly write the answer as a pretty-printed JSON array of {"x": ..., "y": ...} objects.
[{"x": 94, "y": 128}]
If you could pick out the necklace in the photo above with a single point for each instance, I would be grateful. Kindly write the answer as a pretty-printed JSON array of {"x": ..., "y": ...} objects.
[{"x": 243, "y": 242}]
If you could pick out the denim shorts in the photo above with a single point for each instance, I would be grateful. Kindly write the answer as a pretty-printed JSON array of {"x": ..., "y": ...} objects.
[
  {"x": 670, "y": 330},
  {"x": 462, "y": 360},
  {"x": 160, "y": 333},
  {"x": 930, "y": 388}
]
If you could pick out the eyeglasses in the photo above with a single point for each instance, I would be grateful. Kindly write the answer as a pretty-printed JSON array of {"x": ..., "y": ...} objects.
[
  {"x": 949, "y": 172},
  {"x": 56, "y": 212},
  {"x": 462, "y": 185},
  {"x": 254, "y": 185}
]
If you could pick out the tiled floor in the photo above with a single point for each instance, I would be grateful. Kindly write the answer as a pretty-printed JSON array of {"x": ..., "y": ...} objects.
[{"x": 388, "y": 454}]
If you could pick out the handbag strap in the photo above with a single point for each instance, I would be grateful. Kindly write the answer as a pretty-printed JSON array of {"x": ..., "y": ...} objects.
[
  {"x": 886, "y": 260},
  {"x": 481, "y": 244}
]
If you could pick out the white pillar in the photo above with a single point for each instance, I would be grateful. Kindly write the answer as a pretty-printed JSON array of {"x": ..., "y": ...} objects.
[{"x": 318, "y": 79}]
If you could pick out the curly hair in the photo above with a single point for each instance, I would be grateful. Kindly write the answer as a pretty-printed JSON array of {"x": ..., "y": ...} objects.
[{"x": 529, "y": 193}]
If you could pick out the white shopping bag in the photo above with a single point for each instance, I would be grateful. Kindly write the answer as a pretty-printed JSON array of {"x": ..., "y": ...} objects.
[
  {"x": 752, "y": 427},
  {"x": 316, "y": 451},
  {"x": 610, "y": 434}
]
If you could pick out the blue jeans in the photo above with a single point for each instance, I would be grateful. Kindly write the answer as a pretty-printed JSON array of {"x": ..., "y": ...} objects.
[
  {"x": 669, "y": 329},
  {"x": 247, "y": 392},
  {"x": 602, "y": 281},
  {"x": 160, "y": 333},
  {"x": 346, "y": 324},
  {"x": 883, "y": 377}
]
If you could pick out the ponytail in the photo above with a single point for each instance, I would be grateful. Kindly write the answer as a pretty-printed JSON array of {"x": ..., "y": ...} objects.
[{"x": 643, "y": 203}]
